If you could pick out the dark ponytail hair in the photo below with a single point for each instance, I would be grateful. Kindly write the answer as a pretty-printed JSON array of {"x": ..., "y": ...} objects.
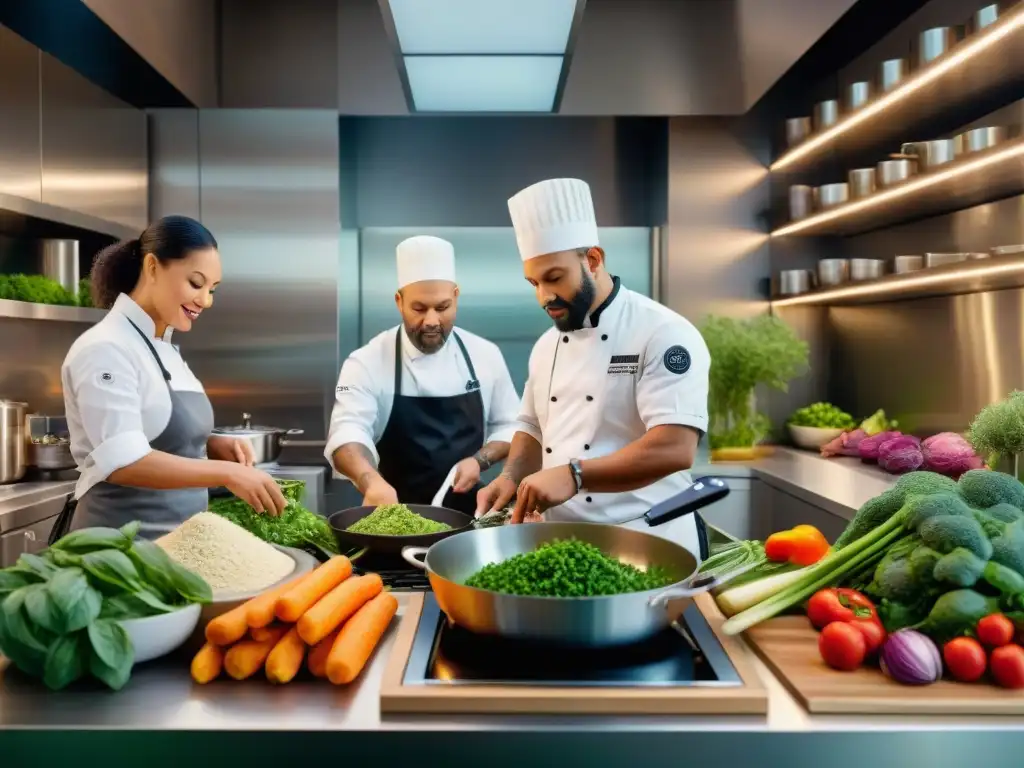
[{"x": 116, "y": 269}]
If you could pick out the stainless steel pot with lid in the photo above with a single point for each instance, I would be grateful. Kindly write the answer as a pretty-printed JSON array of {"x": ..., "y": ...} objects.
[
  {"x": 13, "y": 441},
  {"x": 266, "y": 442}
]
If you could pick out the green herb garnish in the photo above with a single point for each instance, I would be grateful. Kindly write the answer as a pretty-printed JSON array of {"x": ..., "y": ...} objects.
[
  {"x": 569, "y": 568},
  {"x": 295, "y": 527},
  {"x": 396, "y": 520}
]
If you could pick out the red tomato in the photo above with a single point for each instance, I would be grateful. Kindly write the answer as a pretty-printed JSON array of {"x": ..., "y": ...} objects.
[
  {"x": 873, "y": 631},
  {"x": 965, "y": 659},
  {"x": 1007, "y": 665},
  {"x": 996, "y": 630},
  {"x": 828, "y": 605},
  {"x": 842, "y": 646}
]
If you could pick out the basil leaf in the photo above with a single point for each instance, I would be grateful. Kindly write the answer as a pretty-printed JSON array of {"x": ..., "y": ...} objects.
[
  {"x": 95, "y": 539},
  {"x": 131, "y": 530},
  {"x": 11, "y": 580},
  {"x": 19, "y": 643},
  {"x": 126, "y": 606},
  {"x": 112, "y": 654},
  {"x": 153, "y": 601},
  {"x": 64, "y": 663},
  {"x": 114, "y": 568},
  {"x": 42, "y": 610},
  {"x": 191, "y": 586},
  {"x": 156, "y": 566},
  {"x": 75, "y": 602},
  {"x": 37, "y": 565}
]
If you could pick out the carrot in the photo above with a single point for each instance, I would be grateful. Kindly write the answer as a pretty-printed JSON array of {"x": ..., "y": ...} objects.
[
  {"x": 317, "y": 660},
  {"x": 227, "y": 628},
  {"x": 285, "y": 659},
  {"x": 265, "y": 633},
  {"x": 337, "y": 605},
  {"x": 245, "y": 658},
  {"x": 208, "y": 663},
  {"x": 358, "y": 637},
  {"x": 260, "y": 609},
  {"x": 300, "y": 598}
]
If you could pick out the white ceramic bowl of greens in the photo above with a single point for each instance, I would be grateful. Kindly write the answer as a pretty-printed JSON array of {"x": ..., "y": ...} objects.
[
  {"x": 156, "y": 636},
  {"x": 812, "y": 438}
]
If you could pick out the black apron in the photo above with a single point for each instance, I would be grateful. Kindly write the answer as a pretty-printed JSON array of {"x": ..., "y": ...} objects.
[
  {"x": 426, "y": 436},
  {"x": 159, "y": 511}
]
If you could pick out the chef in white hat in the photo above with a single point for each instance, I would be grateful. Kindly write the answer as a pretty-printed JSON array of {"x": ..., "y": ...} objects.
[
  {"x": 422, "y": 398},
  {"x": 616, "y": 400}
]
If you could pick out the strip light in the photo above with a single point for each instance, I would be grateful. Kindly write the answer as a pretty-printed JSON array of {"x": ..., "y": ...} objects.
[
  {"x": 906, "y": 188},
  {"x": 903, "y": 282},
  {"x": 985, "y": 39}
]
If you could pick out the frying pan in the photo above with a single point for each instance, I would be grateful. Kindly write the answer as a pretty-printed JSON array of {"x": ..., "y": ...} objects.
[{"x": 393, "y": 545}]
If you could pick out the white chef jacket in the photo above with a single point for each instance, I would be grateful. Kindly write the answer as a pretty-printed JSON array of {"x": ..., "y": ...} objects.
[
  {"x": 637, "y": 365},
  {"x": 115, "y": 397},
  {"x": 366, "y": 386}
]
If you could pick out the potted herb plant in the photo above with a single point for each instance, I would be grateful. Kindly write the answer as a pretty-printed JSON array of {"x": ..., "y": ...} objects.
[
  {"x": 997, "y": 434},
  {"x": 763, "y": 351}
]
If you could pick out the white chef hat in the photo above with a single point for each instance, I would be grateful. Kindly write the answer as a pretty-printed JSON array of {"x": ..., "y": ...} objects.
[
  {"x": 425, "y": 258},
  {"x": 553, "y": 215}
]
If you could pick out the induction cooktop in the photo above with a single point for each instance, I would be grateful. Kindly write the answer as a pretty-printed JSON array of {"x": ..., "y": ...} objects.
[{"x": 685, "y": 654}]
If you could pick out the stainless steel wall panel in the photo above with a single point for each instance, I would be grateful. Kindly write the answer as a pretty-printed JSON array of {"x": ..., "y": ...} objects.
[
  {"x": 270, "y": 195},
  {"x": 174, "y": 163},
  {"x": 20, "y": 171},
  {"x": 31, "y": 355},
  {"x": 93, "y": 148}
]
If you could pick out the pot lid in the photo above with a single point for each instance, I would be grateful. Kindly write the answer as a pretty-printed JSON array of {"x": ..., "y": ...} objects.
[{"x": 247, "y": 427}]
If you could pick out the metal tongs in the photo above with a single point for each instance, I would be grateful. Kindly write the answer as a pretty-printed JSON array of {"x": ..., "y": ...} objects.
[{"x": 488, "y": 520}]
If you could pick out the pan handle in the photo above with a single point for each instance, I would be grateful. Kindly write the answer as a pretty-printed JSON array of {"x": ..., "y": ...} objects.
[
  {"x": 411, "y": 555},
  {"x": 697, "y": 584}
]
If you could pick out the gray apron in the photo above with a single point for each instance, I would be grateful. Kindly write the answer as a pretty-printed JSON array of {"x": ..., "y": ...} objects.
[{"x": 159, "y": 511}]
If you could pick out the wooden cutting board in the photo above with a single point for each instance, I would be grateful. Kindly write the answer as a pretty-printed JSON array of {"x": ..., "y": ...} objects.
[
  {"x": 751, "y": 698},
  {"x": 789, "y": 647}
]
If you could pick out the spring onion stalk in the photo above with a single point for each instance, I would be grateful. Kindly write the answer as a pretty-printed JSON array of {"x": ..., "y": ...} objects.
[
  {"x": 736, "y": 599},
  {"x": 823, "y": 574}
]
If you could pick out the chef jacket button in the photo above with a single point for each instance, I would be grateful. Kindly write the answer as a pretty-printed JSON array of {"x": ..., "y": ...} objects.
[
  {"x": 565, "y": 339},
  {"x": 604, "y": 337},
  {"x": 589, "y": 398},
  {"x": 589, "y": 499},
  {"x": 548, "y": 450},
  {"x": 554, "y": 399},
  {"x": 586, "y": 447}
]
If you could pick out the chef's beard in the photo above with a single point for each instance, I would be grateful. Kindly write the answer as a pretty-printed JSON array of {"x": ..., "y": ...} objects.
[
  {"x": 430, "y": 344},
  {"x": 578, "y": 307}
]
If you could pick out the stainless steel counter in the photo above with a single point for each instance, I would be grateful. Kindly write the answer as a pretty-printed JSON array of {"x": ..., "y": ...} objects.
[{"x": 22, "y": 504}]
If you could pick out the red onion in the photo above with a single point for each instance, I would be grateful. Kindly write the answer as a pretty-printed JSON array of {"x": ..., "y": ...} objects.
[{"x": 911, "y": 658}]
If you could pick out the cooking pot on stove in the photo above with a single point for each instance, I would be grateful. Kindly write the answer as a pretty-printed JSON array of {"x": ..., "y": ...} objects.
[
  {"x": 266, "y": 442},
  {"x": 592, "y": 622}
]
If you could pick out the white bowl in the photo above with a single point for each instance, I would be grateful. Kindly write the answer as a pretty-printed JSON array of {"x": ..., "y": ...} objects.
[
  {"x": 812, "y": 438},
  {"x": 156, "y": 636}
]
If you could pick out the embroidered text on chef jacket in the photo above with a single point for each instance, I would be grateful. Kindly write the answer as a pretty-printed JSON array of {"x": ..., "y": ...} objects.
[
  {"x": 637, "y": 365},
  {"x": 366, "y": 386},
  {"x": 115, "y": 397}
]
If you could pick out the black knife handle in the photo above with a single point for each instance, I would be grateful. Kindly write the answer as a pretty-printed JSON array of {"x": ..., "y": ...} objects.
[{"x": 704, "y": 491}]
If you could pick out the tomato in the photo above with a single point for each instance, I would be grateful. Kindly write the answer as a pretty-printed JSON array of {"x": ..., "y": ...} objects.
[
  {"x": 828, "y": 605},
  {"x": 873, "y": 631},
  {"x": 1007, "y": 664},
  {"x": 996, "y": 630},
  {"x": 965, "y": 659},
  {"x": 842, "y": 646}
]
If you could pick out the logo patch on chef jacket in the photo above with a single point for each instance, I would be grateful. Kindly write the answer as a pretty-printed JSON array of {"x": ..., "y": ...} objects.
[
  {"x": 677, "y": 359},
  {"x": 105, "y": 378},
  {"x": 623, "y": 365},
  {"x": 341, "y": 388}
]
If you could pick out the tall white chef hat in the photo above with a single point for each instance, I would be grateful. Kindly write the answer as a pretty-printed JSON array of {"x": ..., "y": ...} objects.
[
  {"x": 425, "y": 257},
  {"x": 553, "y": 215}
]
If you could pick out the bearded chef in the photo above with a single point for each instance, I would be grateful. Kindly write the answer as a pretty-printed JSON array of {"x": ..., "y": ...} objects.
[
  {"x": 423, "y": 398},
  {"x": 616, "y": 400}
]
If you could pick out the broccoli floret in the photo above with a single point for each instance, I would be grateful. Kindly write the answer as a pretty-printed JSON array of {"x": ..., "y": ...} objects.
[
  {"x": 944, "y": 533},
  {"x": 921, "y": 482},
  {"x": 923, "y": 561},
  {"x": 1008, "y": 549},
  {"x": 984, "y": 488},
  {"x": 918, "y": 509},
  {"x": 954, "y": 613},
  {"x": 894, "y": 580},
  {"x": 961, "y": 568},
  {"x": 872, "y": 513},
  {"x": 1004, "y": 513}
]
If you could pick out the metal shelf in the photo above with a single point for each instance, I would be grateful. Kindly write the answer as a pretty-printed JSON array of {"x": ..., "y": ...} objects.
[
  {"x": 966, "y": 182},
  {"x": 982, "y": 73},
  {"x": 24, "y": 310},
  {"x": 991, "y": 274},
  {"x": 12, "y": 206}
]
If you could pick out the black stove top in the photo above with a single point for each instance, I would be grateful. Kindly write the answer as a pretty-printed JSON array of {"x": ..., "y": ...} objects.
[
  {"x": 393, "y": 571},
  {"x": 687, "y": 654}
]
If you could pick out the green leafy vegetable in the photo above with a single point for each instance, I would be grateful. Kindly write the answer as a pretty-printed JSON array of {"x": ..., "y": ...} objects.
[
  {"x": 822, "y": 416},
  {"x": 998, "y": 430},
  {"x": 112, "y": 654},
  {"x": 396, "y": 520},
  {"x": 295, "y": 527},
  {"x": 36, "y": 289},
  {"x": 88, "y": 540},
  {"x": 63, "y": 664}
]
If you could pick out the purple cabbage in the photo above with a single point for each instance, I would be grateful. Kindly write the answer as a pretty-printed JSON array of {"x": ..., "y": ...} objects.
[
  {"x": 868, "y": 447},
  {"x": 910, "y": 658},
  {"x": 901, "y": 454},
  {"x": 949, "y": 454}
]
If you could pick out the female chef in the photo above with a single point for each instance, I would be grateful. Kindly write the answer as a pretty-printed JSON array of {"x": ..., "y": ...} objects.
[{"x": 139, "y": 420}]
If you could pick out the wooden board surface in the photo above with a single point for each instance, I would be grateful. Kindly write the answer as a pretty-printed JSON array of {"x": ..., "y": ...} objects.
[
  {"x": 789, "y": 647},
  {"x": 749, "y": 699}
]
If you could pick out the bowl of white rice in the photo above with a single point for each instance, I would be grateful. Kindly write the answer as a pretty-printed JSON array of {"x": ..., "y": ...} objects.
[{"x": 236, "y": 564}]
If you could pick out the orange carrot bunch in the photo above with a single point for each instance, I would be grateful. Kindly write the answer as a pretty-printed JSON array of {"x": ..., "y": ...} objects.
[{"x": 329, "y": 618}]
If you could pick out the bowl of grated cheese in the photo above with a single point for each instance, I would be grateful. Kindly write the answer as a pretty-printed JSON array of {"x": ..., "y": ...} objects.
[{"x": 236, "y": 564}]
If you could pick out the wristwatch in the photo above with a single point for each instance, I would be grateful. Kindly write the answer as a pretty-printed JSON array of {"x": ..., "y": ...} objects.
[
  {"x": 577, "y": 473},
  {"x": 484, "y": 463}
]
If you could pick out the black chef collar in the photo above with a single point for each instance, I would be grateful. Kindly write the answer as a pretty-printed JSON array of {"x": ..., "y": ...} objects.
[{"x": 595, "y": 316}]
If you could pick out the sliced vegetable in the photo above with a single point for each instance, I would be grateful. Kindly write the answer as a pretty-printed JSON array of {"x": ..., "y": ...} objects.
[
  {"x": 834, "y": 604},
  {"x": 802, "y": 545},
  {"x": 995, "y": 630},
  {"x": 1007, "y": 665},
  {"x": 965, "y": 659},
  {"x": 909, "y": 657},
  {"x": 842, "y": 646}
]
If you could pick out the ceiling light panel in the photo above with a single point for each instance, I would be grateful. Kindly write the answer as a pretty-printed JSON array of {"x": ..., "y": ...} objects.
[
  {"x": 483, "y": 83},
  {"x": 482, "y": 26}
]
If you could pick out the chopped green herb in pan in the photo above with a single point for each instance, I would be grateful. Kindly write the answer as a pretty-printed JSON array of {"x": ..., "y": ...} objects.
[{"x": 396, "y": 520}]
